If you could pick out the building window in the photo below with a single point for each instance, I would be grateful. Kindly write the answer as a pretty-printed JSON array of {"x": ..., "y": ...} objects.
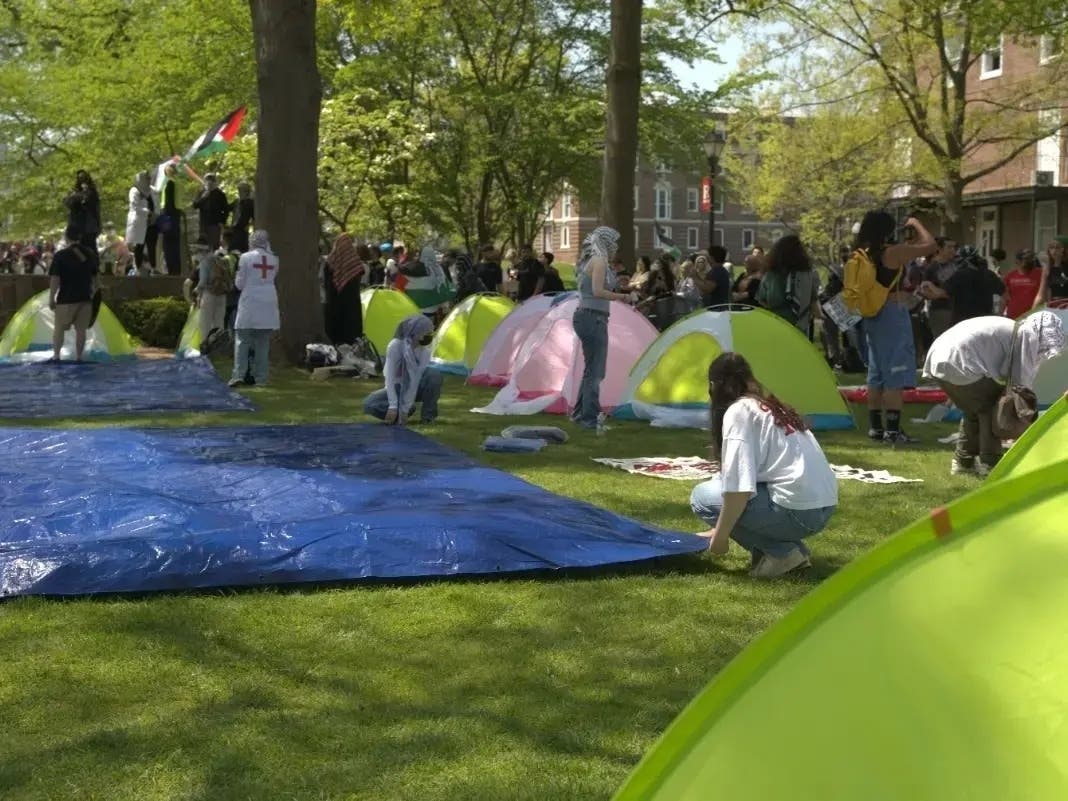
[
  {"x": 637, "y": 239},
  {"x": 547, "y": 239},
  {"x": 663, "y": 202},
  {"x": 691, "y": 238},
  {"x": 1048, "y": 149},
  {"x": 566, "y": 203},
  {"x": 717, "y": 237},
  {"x": 565, "y": 238},
  {"x": 657, "y": 231},
  {"x": 1049, "y": 47},
  {"x": 990, "y": 64},
  {"x": 548, "y": 211},
  {"x": 717, "y": 204},
  {"x": 1045, "y": 223},
  {"x": 635, "y": 197},
  {"x": 748, "y": 239},
  {"x": 693, "y": 200}
]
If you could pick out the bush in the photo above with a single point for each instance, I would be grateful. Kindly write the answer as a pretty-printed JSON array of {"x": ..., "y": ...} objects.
[{"x": 157, "y": 322}]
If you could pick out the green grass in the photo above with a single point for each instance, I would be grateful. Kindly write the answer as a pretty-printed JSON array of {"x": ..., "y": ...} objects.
[{"x": 547, "y": 687}]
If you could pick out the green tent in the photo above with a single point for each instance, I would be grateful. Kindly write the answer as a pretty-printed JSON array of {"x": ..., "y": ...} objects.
[
  {"x": 672, "y": 375},
  {"x": 1044, "y": 443},
  {"x": 383, "y": 309},
  {"x": 28, "y": 335},
  {"x": 459, "y": 340},
  {"x": 189, "y": 341},
  {"x": 934, "y": 668}
]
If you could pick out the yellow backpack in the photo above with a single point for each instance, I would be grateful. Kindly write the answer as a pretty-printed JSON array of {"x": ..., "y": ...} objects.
[{"x": 866, "y": 286}]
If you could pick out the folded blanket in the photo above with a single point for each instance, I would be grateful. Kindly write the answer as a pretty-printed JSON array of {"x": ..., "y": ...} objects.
[
  {"x": 509, "y": 445},
  {"x": 547, "y": 433}
]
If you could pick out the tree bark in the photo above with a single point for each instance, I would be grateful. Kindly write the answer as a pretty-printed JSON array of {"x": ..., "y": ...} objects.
[
  {"x": 287, "y": 193},
  {"x": 624, "y": 81},
  {"x": 953, "y": 212}
]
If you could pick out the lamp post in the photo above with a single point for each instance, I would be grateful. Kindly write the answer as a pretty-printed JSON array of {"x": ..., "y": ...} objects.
[{"x": 714, "y": 144}]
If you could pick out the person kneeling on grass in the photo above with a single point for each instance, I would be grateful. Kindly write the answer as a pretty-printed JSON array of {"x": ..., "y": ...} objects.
[
  {"x": 408, "y": 381},
  {"x": 972, "y": 362},
  {"x": 774, "y": 487}
]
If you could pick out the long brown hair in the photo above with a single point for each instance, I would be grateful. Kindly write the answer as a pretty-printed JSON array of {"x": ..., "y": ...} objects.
[{"x": 730, "y": 378}]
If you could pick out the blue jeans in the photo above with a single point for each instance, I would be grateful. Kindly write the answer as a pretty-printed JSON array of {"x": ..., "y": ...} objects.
[
  {"x": 259, "y": 341},
  {"x": 377, "y": 403},
  {"x": 891, "y": 348},
  {"x": 764, "y": 525},
  {"x": 591, "y": 327}
]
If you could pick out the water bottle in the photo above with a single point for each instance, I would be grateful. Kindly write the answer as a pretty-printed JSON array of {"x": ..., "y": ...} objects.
[{"x": 601, "y": 427}]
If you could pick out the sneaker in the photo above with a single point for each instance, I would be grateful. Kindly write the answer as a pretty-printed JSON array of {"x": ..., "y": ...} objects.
[
  {"x": 876, "y": 434},
  {"x": 235, "y": 382},
  {"x": 775, "y": 566},
  {"x": 962, "y": 467},
  {"x": 896, "y": 438},
  {"x": 981, "y": 468}
]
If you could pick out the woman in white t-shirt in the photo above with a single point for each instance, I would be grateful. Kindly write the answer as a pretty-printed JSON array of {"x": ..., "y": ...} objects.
[{"x": 774, "y": 487}]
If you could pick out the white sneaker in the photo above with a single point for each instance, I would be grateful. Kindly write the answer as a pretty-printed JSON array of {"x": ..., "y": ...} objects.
[
  {"x": 959, "y": 468},
  {"x": 775, "y": 566}
]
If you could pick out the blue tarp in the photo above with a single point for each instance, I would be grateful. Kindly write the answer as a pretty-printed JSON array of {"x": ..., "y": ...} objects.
[
  {"x": 133, "y": 510},
  {"x": 120, "y": 387}
]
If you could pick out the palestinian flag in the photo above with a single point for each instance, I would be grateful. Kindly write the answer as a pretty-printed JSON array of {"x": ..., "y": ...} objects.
[{"x": 218, "y": 137}]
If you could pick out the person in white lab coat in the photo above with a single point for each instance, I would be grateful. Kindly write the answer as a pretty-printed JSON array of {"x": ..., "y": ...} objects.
[
  {"x": 137, "y": 218},
  {"x": 257, "y": 309}
]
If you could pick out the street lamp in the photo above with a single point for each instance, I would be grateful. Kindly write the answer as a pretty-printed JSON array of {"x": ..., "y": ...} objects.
[{"x": 714, "y": 144}]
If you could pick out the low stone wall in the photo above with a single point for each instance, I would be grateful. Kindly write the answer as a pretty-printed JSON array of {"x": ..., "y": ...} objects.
[{"x": 17, "y": 289}]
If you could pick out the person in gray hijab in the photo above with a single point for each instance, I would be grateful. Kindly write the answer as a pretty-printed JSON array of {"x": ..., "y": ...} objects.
[{"x": 408, "y": 377}]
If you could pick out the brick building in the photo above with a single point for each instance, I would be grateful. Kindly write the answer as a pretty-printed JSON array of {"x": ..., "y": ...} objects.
[
  {"x": 670, "y": 197},
  {"x": 1025, "y": 202}
]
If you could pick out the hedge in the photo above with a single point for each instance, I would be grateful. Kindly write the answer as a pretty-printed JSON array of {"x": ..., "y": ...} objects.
[{"x": 157, "y": 322}]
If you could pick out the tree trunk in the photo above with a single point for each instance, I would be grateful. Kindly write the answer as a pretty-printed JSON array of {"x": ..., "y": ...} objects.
[
  {"x": 287, "y": 194},
  {"x": 624, "y": 81},
  {"x": 953, "y": 215}
]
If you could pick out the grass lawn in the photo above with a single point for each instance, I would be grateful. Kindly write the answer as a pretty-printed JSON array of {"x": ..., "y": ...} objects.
[{"x": 535, "y": 688}]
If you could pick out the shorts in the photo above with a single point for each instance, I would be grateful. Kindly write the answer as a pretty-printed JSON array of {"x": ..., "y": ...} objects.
[
  {"x": 891, "y": 349},
  {"x": 76, "y": 314}
]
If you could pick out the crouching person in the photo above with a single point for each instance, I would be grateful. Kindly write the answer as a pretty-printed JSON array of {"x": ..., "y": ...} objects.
[
  {"x": 973, "y": 361},
  {"x": 408, "y": 381},
  {"x": 775, "y": 487}
]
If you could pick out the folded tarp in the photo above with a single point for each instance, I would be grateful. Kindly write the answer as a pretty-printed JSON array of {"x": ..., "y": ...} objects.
[
  {"x": 133, "y": 510},
  {"x": 67, "y": 389}
]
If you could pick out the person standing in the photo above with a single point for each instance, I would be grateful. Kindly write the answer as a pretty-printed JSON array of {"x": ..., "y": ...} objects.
[
  {"x": 407, "y": 378},
  {"x": 596, "y": 286},
  {"x": 213, "y": 209},
  {"x": 774, "y": 487},
  {"x": 138, "y": 216},
  {"x": 257, "y": 309},
  {"x": 876, "y": 269},
  {"x": 243, "y": 211},
  {"x": 489, "y": 269},
  {"x": 553, "y": 281},
  {"x": 73, "y": 274},
  {"x": 715, "y": 282},
  {"x": 376, "y": 271},
  {"x": 1054, "y": 287},
  {"x": 1022, "y": 284},
  {"x": 974, "y": 360},
  {"x": 169, "y": 222},
  {"x": 214, "y": 283},
  {"x": 789, "y": 288},
  {"x": 530, "y": 273},
  {"x": 938, "y": 269},
  {"x": 83, "y": 208},
  {"x": 971, "y": 288},
  {"x": 342, "y": 271}
]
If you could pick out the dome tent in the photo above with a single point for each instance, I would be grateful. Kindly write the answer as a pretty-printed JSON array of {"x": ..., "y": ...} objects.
[
  {"x": 383, "y": 309},
  {"x": 670, "y": 381},
  {"x": 932, "y": 666},
  {"x": 461, "y": 337},
  {"x": 28, "y": 335},
  {"x": 499, "y": 354},
  {"x": 548, "y": 367}
]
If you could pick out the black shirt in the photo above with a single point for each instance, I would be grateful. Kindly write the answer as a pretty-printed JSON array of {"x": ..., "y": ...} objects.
[
  {"x": 1058, "y": 282},
  {"x": 376, "y": 273},
  {"x": 972, "y": 291},
  {"x": 750, "y": 288},
  {"x": 553, "y": 281},
  {"x": 491, "y": 275},
  {"x": 244, "y": 210},
  {"x": 939, "y": 273},
  {"x": 213, "y": 206},
  {"x": 722, "y": 293},
  {"x": 529, "y": 271},
  {"x": 75, "y": 267}
]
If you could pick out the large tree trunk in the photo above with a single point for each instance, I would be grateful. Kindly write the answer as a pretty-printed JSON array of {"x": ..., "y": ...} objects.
[
  {"x": 287, "y": 195},
  {"x": 621, "y": 124}
]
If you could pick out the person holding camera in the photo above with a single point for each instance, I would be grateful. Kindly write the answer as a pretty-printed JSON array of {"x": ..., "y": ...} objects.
[
  {"x": 83, "y": 209},
  {"x": 970, "y": 289},
  {"x": 974, "y": 360}
]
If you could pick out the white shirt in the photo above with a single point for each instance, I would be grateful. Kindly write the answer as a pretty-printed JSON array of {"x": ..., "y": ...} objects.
[
  {"x": 971, "y": 350},
  {"x": 258, "y": 306},
  {"x": 758, "y": 451}
]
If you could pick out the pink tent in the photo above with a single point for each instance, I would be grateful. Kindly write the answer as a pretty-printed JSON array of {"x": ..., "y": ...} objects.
[
  {"x": 548, "y": 365},
  {"x": 499, "y": 354}
]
